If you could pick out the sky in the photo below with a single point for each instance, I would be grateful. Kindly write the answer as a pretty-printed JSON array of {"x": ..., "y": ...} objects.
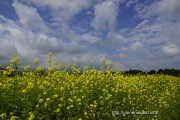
[{"x": 132, "y": 34}]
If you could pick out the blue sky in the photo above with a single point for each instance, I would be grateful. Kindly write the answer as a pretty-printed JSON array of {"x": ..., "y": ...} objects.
[{"x": 133, "y": 34}]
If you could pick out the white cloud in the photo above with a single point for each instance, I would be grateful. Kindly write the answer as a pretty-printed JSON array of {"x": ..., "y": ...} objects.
[
  {"x": 137, "y": 47},
  {"x": 29, "y": 17},
  {"x": 164, "y": 10},
  {"x": 88, "y": 37},
  {"x": 115, "y": 39},
  {"x": 121, "y": 56},
  {"x": 105, "y": 16},
  {"x": 61, "y": 4},
  {"x": 169, "y": 9},
  {"x": 155, "y": 38},
  {"x": 62, "y": 10},
  {"x": 8, "y": 26},
  {"x": 159, "y": 26},
  {"x": 171, "y": 50},
  {"x": 30, "y": 45},
  {"x": 74, "y": 48},
  {"x": 131, "y": 2}
]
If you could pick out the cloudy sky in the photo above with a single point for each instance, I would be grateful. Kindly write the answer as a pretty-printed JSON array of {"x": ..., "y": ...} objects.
[{"x": 133, "y": 34}]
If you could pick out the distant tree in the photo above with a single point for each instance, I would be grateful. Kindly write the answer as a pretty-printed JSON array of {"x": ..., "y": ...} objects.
[
  {"x": 172, "y": 72},
  {"x": 152, "y": 72},
  {"x": 134, "y": 72},
  {"x": 160, "y": 71}
]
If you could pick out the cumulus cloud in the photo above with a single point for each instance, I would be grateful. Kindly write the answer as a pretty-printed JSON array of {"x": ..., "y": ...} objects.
[
  {"x": 171, "y": 50},
  {"x": 115, "y": 39},
  {"x": 29, "y": 17},
  {"x": 131, "y": 2},
  {"x": 152, "y": 42},
  {"x": 61, "y": 10},
  {"x": 159, "y": 26},
  {"x": 45, "y": 44},
  {"x": 25, "y": 40},
  {"x": 74, "y": 48},
  {"x": 164, "y": 10},
  {"x": 90, "y": 38},
  {"x": 169, "y": 9},
  {"x": 137, "y": 47},
  {"x": 156, "y": 37},
  {"x": 105, "y": 16},
  {"x": 7, "y": 28}
]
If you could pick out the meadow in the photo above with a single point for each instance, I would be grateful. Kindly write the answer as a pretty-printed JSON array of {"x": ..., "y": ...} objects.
[{"x": 94, "y": 94}]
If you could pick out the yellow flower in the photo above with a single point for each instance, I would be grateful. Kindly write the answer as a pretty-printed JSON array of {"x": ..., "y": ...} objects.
[
  {"x": 61, "y": 99},
  {"x": 91, "y": 105},
  {"x": 70, "y": 100},
  {"x": 57, "y": 110},
  {"x": 75, "y": 97},
  {"x": 16, "y": 59},
  {"x": 39, "y": 69},
  {"x": 12, "y": 61},
  {"x": 5, "y": 73},
  {"x": 41, "y": 100},
  {"x": 78, "y": 100},
  {"x": 37, "y": 106},
  {"x": 15, "y": 55},
  {"x": 45, "y": 92},
  {"x": 50, "y": 69},
  {"x": 26, "y": 68},
  {"x": 55, "y": 96},
  {"x": 71, "y": 106},
  {"x": 85, "y": 113},
  {"x": 31, "y": 116},
  {"x": 50, "y": 54},
  {"x": 49, "y": 59},
  {"x": 61, "y": 88},
  {"x": 3, "y": 115},
  {"x": 30, "y": 85},
  {"x": 48, "y": 99},
  {"x": 36, "y": 61},
  {"x": 41, "y": 87},
  {"x": 11, "y": 113},
  {"x": 55, "y": 62},
  {"x": 1, "y": 84},
  {"x": 45, "y": 104},
  {"x": 14, "y": 118},
  {"x": 60, "y": 105},
  {"x": 10, "y": 69},
  {"x": 24, "y": 91}
]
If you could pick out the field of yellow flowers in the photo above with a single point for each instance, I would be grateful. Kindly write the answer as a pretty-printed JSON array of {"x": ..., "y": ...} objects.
[{"x": 90, "y": 95}]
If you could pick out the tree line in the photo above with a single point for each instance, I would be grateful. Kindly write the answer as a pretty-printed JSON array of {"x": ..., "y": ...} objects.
[
  {"x": 171, "y": 72},
  {"x": 167, "y": 71}
]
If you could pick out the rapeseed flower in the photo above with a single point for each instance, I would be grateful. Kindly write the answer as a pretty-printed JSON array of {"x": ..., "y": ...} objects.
[
  {"x": 31, "y": 116},
  {"x": 14, "y": 118},
  {"x": 48, "y": 99},
  {"x": 41, "y": 100},
  {"x": 36, "y": 61},
  {"x": 57, "y": 110},
  {"x": 55, "y": 96},
  {"x": 3, "y": 115},
  {"x": 27, "y": 68}
]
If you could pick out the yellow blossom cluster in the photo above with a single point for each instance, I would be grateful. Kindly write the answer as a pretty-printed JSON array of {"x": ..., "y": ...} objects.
[{"x": 90, "y": 95}]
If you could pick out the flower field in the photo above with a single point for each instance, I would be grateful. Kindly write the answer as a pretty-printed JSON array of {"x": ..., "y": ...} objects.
[{"x": 90, "y": 95}]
